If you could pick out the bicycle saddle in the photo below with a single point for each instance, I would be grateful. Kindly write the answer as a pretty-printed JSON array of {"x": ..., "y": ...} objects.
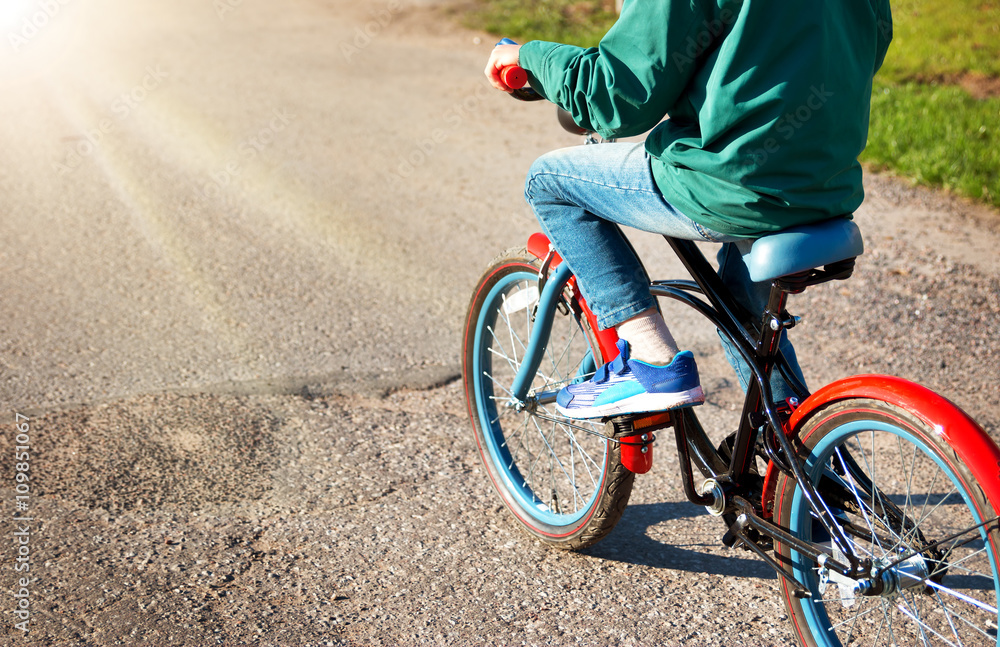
[{"x": 802, "y": 248}]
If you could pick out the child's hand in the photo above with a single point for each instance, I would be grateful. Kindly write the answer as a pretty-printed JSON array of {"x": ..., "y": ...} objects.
[{"x": 502, "y": 56}]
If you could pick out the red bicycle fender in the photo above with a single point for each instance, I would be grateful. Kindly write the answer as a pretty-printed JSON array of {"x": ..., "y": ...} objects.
[
  {"x": 539, "y": 246},
  {"x": 607, "y": 339},
  {"x": 963, "y": 434}
]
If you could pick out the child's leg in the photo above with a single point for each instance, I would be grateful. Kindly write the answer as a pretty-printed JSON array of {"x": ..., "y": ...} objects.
[
  {"x": 649, "y": 337},
  {"x": 580, "y": 195}
]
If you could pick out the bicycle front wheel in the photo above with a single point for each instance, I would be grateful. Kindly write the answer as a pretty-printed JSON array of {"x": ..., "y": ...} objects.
[
  {"x": 561, "y": 479},
  {"x": 907, "y": 503}
]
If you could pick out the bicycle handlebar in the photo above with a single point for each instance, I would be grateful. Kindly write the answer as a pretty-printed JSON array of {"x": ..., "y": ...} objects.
[{"x": 515, "y": 78}]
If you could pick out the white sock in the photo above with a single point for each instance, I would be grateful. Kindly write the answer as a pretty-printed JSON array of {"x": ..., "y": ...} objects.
[{"x": 648, "y": 338}]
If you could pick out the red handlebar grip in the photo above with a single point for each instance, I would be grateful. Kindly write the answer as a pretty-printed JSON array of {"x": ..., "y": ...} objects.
[{"x": 513, "y": 77}]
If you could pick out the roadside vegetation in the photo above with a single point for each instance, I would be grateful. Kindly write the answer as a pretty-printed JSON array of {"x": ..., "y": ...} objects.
[{"x": 935, "y": 104}]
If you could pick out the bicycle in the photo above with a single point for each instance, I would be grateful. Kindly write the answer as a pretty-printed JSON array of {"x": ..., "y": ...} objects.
[{"x": 874, "y": 499}]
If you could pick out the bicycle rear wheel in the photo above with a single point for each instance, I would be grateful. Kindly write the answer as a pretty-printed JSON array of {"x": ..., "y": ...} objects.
[
  {"x": 897, "y": 489},
  {"x": 561, "y": 479}
]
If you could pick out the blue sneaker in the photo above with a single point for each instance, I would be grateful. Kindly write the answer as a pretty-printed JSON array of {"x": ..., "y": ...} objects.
[{"x": 627, "y": 385}]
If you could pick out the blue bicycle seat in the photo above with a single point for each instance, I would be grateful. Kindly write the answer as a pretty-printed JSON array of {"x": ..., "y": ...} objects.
[{"x": 802, "y": 248}]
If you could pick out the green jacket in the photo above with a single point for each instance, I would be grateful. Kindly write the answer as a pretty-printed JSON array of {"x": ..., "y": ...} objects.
[{"x": 768, "y": 101}]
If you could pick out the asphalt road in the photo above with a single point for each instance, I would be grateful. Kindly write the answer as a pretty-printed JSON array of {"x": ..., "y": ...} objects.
[
  {"x": 239, "y": 241},
  {"x": 199, "y": 196}
]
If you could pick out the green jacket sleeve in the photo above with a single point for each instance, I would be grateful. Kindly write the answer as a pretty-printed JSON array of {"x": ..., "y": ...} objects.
[{"x": 610, "y": 88}]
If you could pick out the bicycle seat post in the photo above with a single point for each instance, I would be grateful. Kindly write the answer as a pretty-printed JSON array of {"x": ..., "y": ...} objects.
[{"x": 774, "y": 319}]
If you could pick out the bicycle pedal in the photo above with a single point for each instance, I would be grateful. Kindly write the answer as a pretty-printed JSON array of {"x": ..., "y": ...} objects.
[
  {"x": 731, "y": 537},
  {"x": 621, "y": 426},
  {"x": 635, "y": 436}
]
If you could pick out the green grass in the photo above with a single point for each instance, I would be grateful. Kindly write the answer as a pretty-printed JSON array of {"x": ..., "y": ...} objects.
[
  {"x": 937, "y": 135},
  {"x": 580, "y": 22},
  {"x": 922, "y": 127},
  {"x": 941, "y": 39}
]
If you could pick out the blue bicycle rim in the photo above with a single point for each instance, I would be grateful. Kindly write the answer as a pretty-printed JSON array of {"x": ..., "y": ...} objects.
[{"x": 513, "y": 481}]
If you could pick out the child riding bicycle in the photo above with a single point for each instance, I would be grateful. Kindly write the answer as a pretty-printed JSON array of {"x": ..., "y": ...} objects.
[{"x": 768, "y": 107}]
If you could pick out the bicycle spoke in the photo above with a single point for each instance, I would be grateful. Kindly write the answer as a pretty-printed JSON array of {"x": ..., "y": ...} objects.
[
  {"x": 510, "y": 329},
  {"x": 927, "y": 515},
  {"x": 909, "y": 476},
  {"x": 924, "y": 627},
  {"x": 557, "y": 362},
  {"x": 960, "y": 618},
  {"x": 572, "y": 462},
  {"x": 555, "y": 458},
  {"x": 857, "y": 497},
  {"x": 519, "y": 434},
  {"x": 853, "y": 619},
  {"x": 575, "y": 446},
  {"x": 961, "y": 596},
  {"x": 943, "y": 608},
  {"x": 885, "y": 622},
  {"x": 500, "y": 384},
  {"x": 875, "y": 493},
  {"x": 950, "y": 566},
  {"x": 503, "y": 352},
  {"x": 854, "y": 625},
  {"x": 901, "y": 605},
  {"x": 504, "y": 357},
  {"x": 922, "y": 516}
]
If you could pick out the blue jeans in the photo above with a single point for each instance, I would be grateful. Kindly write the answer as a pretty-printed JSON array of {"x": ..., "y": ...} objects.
[{"x": 581, "y": 195}]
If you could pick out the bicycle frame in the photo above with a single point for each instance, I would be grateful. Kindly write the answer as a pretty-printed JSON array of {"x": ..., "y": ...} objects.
[
  {"x": 729, "y": 478},
  {"x": 733, "y": 489}
]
